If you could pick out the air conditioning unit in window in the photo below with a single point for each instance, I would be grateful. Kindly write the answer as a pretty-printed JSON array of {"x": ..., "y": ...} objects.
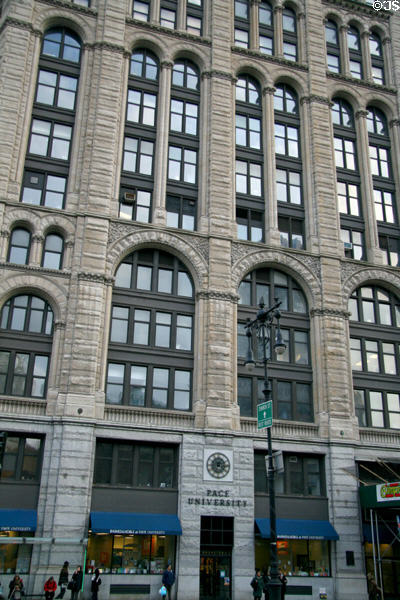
[
  {"x": 348, "y": 245},
  {"x": 129, "y": 197}
]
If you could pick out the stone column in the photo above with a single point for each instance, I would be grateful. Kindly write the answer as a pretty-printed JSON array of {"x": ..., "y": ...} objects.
[
  {"x": 366, "y": 56},
  {"x": 374, "y": 254},
  {"x": 394, "y": 127},
  {"x": 161, "y": 149},
  {"x": 301, "y": 34},
  {"x": 181, "y": 16},
  {"x": 36, "y": 250},
  {"x": 344, "y": 51},
  {"x": 387, "y": 61},
  {"x": 204, "y": 138},
  {"x": 269, "y": 170},
  {"x": 278, "y": 33},
  {"x": 4, "y": 242},
  {"x": 67, "y": 258},
  {"x": 254, "y": 29},
  {"x": 155, "y": 12}
]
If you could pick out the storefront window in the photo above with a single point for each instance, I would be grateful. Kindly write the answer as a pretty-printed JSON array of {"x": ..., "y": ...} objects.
[
  {"x": 297, "y": 558},
  {"x": 133, "y": 554},
  {"x": 15, "y": 558}
]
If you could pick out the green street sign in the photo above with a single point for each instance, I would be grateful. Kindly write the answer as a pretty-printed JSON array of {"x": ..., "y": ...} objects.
[{"x": 264, "y": 415}]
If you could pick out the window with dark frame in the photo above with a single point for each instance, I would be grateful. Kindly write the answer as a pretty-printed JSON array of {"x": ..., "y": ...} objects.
[
  {"x": 53, "y": 116},
  {"x": 151, "y": 334},
  {"x": 137, "y": 175},
  {"x": 288, "y": 171},
  {"x": 183, "y": 149},
  {"x": 352, "y": 227},
  {"x": 290, "y": 373},
  {"x": 332, "y": 47},
  {"x": 26, "y": 327},
  {"x": 53, "y": 250},
  {"x": 250, "y": 208},
  {"x": 242, "y": 23},
  {"x": 303, "y": 475},
  {"x": 22, "y": 458},
  {"x": 19, "y": 246},
  {"x": 289, "y": 28},
  {"x": 168, "y": 13},
  {"x": 141, "y": 10},
  {"x": 194, "y": 17},
  {"x": 375, "y": 356},
  {"x": 355, "y": 55},
  {"x": 377, "y": 61},
  {"x": 135, "y": 464},
  {"x": 266, "y": 27}
]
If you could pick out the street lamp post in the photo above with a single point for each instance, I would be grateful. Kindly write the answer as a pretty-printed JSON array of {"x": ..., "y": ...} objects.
[{"x": 262, "y": 325}]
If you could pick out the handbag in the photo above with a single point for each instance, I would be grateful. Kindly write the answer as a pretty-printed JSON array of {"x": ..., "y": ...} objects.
[{"x": 70, "y": 585}]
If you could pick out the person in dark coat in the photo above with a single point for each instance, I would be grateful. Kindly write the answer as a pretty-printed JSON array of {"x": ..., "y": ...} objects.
[
  {"x": 63, "y": 580},
  {"x": 96, "y": 583},
  {"x": 50, "y": 588},
  {"x": 283, "y": 581},
  {"x": 77, "y": 577},
  {"x": 168, "y": 579},
  {"x": 258, "y": 584},
  {"x": 16, "y": 587},
  {"x": 266, "y": 585}
]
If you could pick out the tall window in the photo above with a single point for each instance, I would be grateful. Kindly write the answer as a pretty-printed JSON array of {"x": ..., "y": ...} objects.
[
  {"x": 303, "y": 475},
  {"x": 137, "y": 176},
  {"x": 53, "y": 115},
  {"x": 290, "y": 373},
  {"x": 168, "y": 13},
  {"x": 266, "y": 27},
  {"x": 26, "y": 327},
  {"x": 288, "y": 168},
  {"x": 355, "y": 56},
  {"x": 249, "y": 160},
  {"x": 22, "y": 458},
  {"x": 194, "y": 17},
  {"x": 242, "y": 23},
  {"x": 348, "y": 180},
  {"x": 151, "y": 335},
  {"x": 53, "y": 250},
  {"x": 377, "y": 62},
  {"x": 141, "y": 10},
  {"x": 19, "y": 248},
  {"x": 289, "y": 27},
  {"x": 384, "y": 188},
  {"x": 183, "y": 149},
  {"x": 375, "y": 358},
  {"x": 332, "y": 47}
]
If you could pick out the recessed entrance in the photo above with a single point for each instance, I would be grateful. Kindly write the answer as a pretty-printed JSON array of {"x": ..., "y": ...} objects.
[{"x": 216, "y": 543}]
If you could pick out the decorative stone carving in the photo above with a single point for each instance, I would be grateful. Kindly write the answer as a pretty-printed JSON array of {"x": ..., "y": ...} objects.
[
  {"x": 218, "y": 75},
  {"x": 329, "y": 312},
  {"x": 215, "y": 295},
  {"x": 354, "y": 276}
]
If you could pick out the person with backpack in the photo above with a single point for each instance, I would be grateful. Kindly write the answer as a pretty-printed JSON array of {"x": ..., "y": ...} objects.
[{"x": 257, "y": 583}]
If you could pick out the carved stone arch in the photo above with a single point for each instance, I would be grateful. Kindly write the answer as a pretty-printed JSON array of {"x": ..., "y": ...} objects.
[
  {"x": 294, "y": 81},
  {"x": 55, "y": 293},
  {"x": 386, "y": 105},
  {"x": 368, "y": 276},
  {"x": 335, "y": 17},
  {"x": 76, "y": 22},
  {"x": 21, "y": 217},
  {"x": 58, "y": 223},
  {"x": 352, "y": 96},
  {"x": 185, "y": 251},
  {"x": 305, "y": 271},
  {"x": 199, "y": 56},
  {"x": 147, "y": 41},
  {"x": 246, "y": 67}
]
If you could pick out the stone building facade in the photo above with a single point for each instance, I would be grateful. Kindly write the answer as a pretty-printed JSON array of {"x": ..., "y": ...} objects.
[{"x": 164, "y": 165}]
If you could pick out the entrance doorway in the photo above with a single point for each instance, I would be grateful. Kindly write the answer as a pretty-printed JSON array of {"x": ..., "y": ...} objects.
[
  {"x": 216, "y": 542},
  {"x": 215, "y": 575}
]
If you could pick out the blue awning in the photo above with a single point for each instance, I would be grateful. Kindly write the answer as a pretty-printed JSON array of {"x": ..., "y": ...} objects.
[
  {"x": 298, "y": 529},
  {"x": 135, "y": 523},
  {"x": 17, "y": 520}
]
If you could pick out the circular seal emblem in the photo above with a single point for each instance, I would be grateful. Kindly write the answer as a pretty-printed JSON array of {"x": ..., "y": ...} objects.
[{"x": 218, "y": 465}]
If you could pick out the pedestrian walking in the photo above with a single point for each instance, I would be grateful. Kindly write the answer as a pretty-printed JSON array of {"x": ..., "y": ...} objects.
[
  {"x": 168, "y": 579},
  {"x": 16, "y": 588},
  {"x": 283, "y": 581},
  {"x": 76, "y": 581},
  {"x": 257, "y": 583},
  {"x": 50, "y": 588},
  {"x": 63, "y": 580},
  {"x": 266, "y": 585},
  {"x": 96, "y": 583}
]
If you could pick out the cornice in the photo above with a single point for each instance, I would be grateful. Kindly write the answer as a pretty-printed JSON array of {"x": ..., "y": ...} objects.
[
  {"x": 361, "y": 83},
  {"x": 106, "y": 46},
  {"x": 329, "y": 312},
  {"x": 218, "y": 75},
  {"x": 216, "y": 295},
  {"x": 32, "y": 269},
  {"x": 70, "y": 6},
  {"x": 183, "y": 35},
  {"x": 95, "y": 278},
  {"x": 268, "y": 58},
  {"x": 359, "y": 7},
  {"x": 9, "y": 22},
  {"x": 315, "y": 98}
]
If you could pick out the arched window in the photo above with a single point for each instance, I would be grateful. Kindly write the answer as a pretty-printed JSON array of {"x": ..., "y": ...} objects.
[
  {"x": 290, "y": 373},
  {"x": 289, "y": 27},
  {"x": 242, "y": 23},
  {"x": 355, "y": 56},
  {"x": 183, "y": 149},
  {"x": 375, "y": 358},
  {"x": 151, "y": 335},
  {"x": 332, "y": 46},
  {"x": 249, "y": 160},
  {"x": 377, "y": 62},
  {"x": 20, "y": 243},
  {"x": 53, "y": 251},
  {"x": 26, "y": 327},
  {"x": 137, "y": 178},
  {"x": 384, "y": 187},
  {"x": 288, "y": 168},
  {"x": 53, "y": 116},
  {"x": 266, "y": 27},
  {"x": 348, "y": 180}
]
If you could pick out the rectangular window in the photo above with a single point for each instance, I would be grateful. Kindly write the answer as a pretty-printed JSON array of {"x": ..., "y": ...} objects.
[
  {"x": 393, "y": 407},
  {"x": 119, "y": 324},
  {"x": 288, "y": 186},
  {"x": 44, "y": 189},
  {"x": 287, "y": 140},
  {"x": 141, "y": 326},
  {"x": 250, "y": 225},
  {"x": 50, "y": 139},
  {"x": 378, "y": 75},
  {"x": 241, "y": 38},
  {"x": 290, "y": 51},
  {"x": 167, "y": 18},
  {"x": 184, "y": 116},
  {"x": 248, "y": 178},
  {"x": 138, "y": 382},
  {"x": 355, "y": 69},
  {"x": 135, "y": 205},
  {"x": 183, "y": 332},
  {"x": 181, "y": 213},
  {"x": 372, "y": 356},
  {"x": 138, "y": 156},
  {"x": 353, "y": 242},
  {"x": 391, "y": 248},
  {"x": 22, "y": 458},
  {"x": 291, "y": 232},
  {"x": 55, "y": 89},
  {"x": 345, "y": 154},
  {"x": 333, "y": 63},
  {"x": 141, "y": 10},
  {"x": 248, "y": 132},
  {"x": 266, "y": 45},
  {"x": 182, "y": 164},
  {"x": 384, "y": 206},
  {"x": 297, "y": 557},
  {"x": 181, "y": 392},
  {"x": 348, "y": 198},
  {"x": 141, "y": 108},
  {"x": 193, "y": 25},
  {"x": 115, "y": 383},
  {"x": 379, "y": 158}
]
